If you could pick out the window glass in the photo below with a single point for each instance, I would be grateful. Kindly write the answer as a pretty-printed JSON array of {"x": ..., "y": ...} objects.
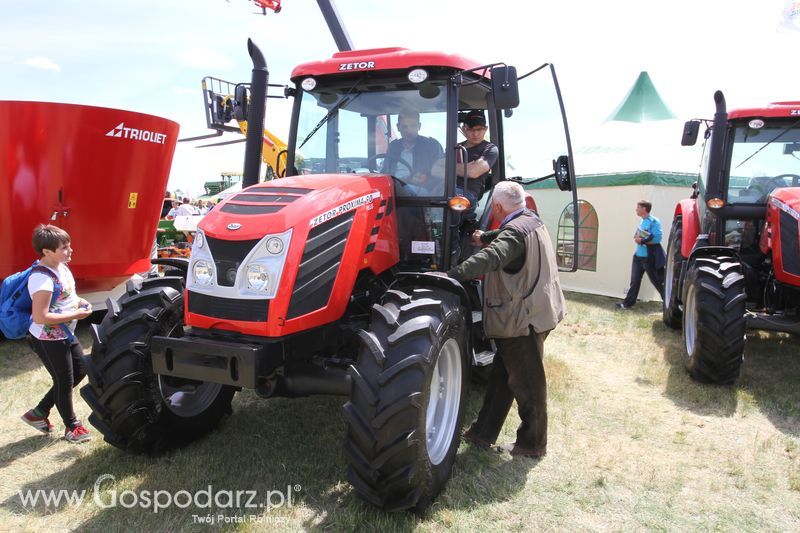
[
  {"x": 763, "y": 160},
  {"x": 404, "y": 131},
  {"x": 588, "y": 227}
]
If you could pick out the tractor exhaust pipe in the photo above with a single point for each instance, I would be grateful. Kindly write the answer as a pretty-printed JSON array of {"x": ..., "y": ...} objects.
[
  {"x": 255, "y": 116},
  {"x": 309, "y": 380},
  {"x": 716, "y": 149}
]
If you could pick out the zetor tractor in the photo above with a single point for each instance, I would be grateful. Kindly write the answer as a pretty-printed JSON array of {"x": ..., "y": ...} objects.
[
  {"x": 321, "y": 282},
  {"x": 733, "y": 259}
]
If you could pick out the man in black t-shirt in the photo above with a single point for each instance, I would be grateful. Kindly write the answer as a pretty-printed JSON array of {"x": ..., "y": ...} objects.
[{"x": 481, "y": 156}]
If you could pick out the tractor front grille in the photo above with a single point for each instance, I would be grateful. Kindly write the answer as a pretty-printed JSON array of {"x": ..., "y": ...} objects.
[
  {"x": 319, "y": 265},
  {"x": 228, "y": 255},
  {"x": 790, "y": 243},
  {"x": 228, "y": 308}
]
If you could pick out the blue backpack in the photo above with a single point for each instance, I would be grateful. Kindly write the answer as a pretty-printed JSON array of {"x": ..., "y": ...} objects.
[{"x": 15, "y": 301}]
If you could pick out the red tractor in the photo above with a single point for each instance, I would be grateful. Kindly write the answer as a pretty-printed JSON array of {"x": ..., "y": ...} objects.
[
  {"x": 733, "y": 259},
  {"x": 322, "y": 281}
]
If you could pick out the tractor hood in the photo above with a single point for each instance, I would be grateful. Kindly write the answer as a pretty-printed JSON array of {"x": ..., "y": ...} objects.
[
  {"x": 283, "y": 256},
  {"x": 783, "y": 224},
  {"x": 278, "y": 205}
]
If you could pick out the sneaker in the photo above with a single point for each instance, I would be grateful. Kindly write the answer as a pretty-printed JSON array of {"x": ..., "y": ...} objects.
[
  {"x": 622, "y": 305},
  {"x": 77, "y": 434},
  {"x": 41, "y": 423}
]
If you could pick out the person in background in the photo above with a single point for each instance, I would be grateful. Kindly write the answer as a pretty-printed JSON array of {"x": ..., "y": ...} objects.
[
  {"x": 55, "y": 310},
  {"x": 186, "y": 208},
  {"x": 522, "y": 304},
  {"x": 649, "y": 256},
  {"x": 174, "y": 211}
]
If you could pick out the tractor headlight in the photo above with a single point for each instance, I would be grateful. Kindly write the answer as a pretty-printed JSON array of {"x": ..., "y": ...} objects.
[
  {"x": 257, "y": 277},
  {"x": 308, "y": 84},
  {"x": 418, "y": 75},
  {"x": 203, "y": 272}
]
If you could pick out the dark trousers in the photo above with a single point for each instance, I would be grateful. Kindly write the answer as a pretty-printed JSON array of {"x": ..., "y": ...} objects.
[
  {"x": 517, "y": 374},
  {"x": 639, "y": 266},
  {"x": 64, "y": 362}
]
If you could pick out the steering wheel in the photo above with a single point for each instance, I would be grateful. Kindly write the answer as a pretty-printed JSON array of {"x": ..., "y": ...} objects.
[
  {"x": 795, "y": 178},
  {"x": 371, "y": 161}
]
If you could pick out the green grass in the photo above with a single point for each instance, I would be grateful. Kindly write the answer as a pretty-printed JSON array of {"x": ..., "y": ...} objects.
[{"x": 634, "y": 444}]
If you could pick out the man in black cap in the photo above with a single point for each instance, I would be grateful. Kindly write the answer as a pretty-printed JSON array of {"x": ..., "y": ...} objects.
[{"x": 481, "y": 156}]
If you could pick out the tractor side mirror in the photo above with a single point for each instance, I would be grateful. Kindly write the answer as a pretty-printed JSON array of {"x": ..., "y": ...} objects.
[
  {"x": 505, "y": 87},
  {"x": 690, "y": 130},
  {"x": 561, "y": 173},
  {"x": 240, "y": 110}
]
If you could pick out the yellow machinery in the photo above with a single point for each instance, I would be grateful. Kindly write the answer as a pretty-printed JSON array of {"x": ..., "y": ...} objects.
[{"x": 226, "y": 102}]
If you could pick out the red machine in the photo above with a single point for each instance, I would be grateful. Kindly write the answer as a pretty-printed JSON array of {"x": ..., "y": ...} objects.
[
  {"x": 323, "y": 281},
  {"x": 272, "y": 5},
  {"x": 733, "y": 259},
  {"x": 98, "y": 173}
]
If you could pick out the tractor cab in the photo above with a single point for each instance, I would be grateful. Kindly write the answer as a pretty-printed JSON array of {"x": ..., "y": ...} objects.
[
  {"x": 758, "y": 151},
  {"x": 733, "y": 259},
  {"x": 397, "y": 112}
]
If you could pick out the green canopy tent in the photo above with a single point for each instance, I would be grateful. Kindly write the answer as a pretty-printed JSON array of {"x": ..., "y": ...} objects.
[{"x": 642, "y": 103}]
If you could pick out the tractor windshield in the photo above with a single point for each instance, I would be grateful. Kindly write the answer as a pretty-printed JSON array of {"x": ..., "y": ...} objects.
[
  {"x": 397, "y": 129},
  {"x": 763, "y": 159}
]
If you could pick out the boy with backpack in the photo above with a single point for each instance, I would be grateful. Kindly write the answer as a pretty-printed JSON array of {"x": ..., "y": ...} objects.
[{"x": 55, "y": 309}]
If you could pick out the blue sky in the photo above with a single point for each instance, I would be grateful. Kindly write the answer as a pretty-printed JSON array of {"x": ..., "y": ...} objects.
[{"x": 150, "y": 55}]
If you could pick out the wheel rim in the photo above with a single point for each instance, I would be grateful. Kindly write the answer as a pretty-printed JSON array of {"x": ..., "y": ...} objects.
[
  {"x": 185, "y": 397},
  {"x": 690, "y": 321},
  {"x": 188, "y": 398},
  {"x": 443, "y": 402},
  {"x": 668, "y": 276}
]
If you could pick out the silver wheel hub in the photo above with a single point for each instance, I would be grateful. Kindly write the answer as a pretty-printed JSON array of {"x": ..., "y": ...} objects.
[
  {"x": 190, "y": 399},
  {"x": 690, "y": 320},
  {"x": 444, "y": 402}
]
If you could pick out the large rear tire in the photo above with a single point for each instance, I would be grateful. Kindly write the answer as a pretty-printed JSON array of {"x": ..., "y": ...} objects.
[
  {"x": 135, "y": 409},
  {"x": 671, "y": 309},
  {"x": 714, "y": 319},
  {"x": 406, "y": 404}
]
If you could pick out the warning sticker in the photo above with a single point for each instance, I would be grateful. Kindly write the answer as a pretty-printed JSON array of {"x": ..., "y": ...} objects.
[
  {"x": 132, "y": 200},
  {"x": 423, "y": 247},
  {"x": 344, "y": 208}
]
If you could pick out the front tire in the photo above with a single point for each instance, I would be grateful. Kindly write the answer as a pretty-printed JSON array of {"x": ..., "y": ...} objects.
[
  {"x": 714, "y": 319},
  {"x": 406, "y": 404},
  {"x": 671, "y": 309},
  {"x": 136, "y": 410}
]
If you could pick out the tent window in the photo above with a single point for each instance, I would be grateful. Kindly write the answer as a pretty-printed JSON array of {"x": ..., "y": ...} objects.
[{"x": 587, "y": 237}]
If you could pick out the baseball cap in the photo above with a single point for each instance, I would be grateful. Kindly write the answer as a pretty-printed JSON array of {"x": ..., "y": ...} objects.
[{"x": 475, "y": 117}]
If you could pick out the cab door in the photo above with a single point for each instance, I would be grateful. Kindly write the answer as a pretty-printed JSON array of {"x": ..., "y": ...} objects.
[{"x": 536, "y": 151}]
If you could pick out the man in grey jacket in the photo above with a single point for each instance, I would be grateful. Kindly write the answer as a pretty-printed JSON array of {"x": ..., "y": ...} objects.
[{"x": 523, "y": 302}]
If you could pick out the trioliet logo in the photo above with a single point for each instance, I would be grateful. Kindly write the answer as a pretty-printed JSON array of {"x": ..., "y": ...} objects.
[{"x": 136, "y": 134}]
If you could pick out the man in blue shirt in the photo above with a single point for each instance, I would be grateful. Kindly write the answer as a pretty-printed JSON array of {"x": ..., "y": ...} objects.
[{"x": 649, "y": 256}]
